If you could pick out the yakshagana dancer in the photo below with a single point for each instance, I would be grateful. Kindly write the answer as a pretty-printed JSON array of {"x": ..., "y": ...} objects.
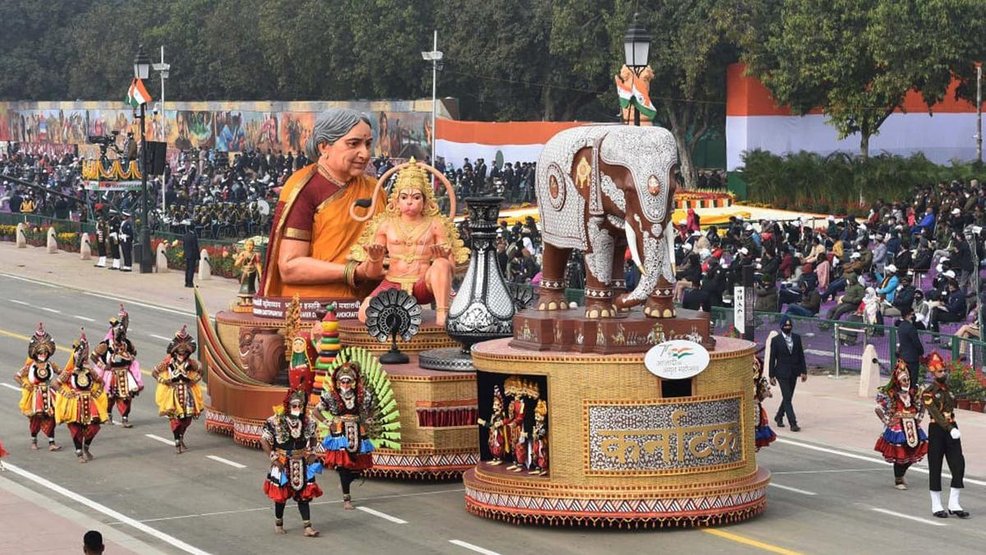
[
  {"x": 290, "y": 438},
  {"x": 115, "y": 358},
  {"x": 349, "y": 404},
  {"x": 902, "y": 442},
  {"x": 764, "y": 435},
  {"x": 179, "y": 395},
  {"x": 81, "y": 400},
  {"x": 37, "y": 395}
]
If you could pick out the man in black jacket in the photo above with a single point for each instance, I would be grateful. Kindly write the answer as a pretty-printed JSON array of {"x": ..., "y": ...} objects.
[
  {"x": 909, "y": 347},
  {"x": 191, "y": 249},
  {"x": 787, "y": 362}
]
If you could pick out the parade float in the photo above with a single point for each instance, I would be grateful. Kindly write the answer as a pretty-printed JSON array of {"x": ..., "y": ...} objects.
[
  {"x": 609, "y": 415},
  {"x": 247, "y": 359}
]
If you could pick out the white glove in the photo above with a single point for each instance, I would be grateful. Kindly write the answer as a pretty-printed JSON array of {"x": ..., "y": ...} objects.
[{"x": 955, "y": 433}]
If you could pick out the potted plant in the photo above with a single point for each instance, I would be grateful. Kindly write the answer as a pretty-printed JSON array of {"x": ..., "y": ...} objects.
[
  {"x": 976, "y": 394},
  {"x": 959, "y": 375}
]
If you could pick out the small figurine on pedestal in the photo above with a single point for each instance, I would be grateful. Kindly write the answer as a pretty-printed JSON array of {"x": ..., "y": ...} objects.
[{"x": 249, "y": 260}]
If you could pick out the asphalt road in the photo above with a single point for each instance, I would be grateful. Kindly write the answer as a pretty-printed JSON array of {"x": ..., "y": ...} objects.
[{"x": 823, "y": 499}]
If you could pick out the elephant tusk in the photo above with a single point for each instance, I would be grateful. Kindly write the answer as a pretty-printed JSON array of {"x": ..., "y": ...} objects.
[{"x": 634, "y": 253}]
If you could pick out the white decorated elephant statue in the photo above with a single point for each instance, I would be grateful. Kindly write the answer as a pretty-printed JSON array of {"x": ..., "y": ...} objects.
[{"x": 601, "y": 189}]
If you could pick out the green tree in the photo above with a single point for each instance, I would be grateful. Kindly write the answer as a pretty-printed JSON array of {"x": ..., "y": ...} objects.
[{"x": 857, "y": 59}]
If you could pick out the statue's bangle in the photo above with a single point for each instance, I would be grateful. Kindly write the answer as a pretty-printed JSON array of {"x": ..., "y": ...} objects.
[{"x": 350, "y": 273}]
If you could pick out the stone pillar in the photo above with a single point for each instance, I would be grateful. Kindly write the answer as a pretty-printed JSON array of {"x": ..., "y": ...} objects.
[
  {"x": 21, "y": 238},
  {"x": 869, "y": 374},
  {"x": 85, "y": 248},
  {"x": 205, "y": 268},
  {"x": 161, "y": 259},
  {"x": 52, "y": 242}
]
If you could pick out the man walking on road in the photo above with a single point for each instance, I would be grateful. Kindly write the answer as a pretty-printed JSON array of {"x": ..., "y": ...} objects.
[
  {"x": 909, "y": 347},
  {"x": 191, "y": 250},
  {"x": 787, "y": 362}
]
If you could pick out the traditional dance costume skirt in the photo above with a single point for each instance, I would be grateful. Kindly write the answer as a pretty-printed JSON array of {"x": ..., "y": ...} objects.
[
  {"x": 38, "y": 400},
  {"x": 893, "y": 445},
  {"x": 80, "y": 407},
  {"x": 179, "y": 400},
  {"x": 338, "y": 453},
  {"x": 292, "y": 478},
  {"x": 764, "y": 435}
]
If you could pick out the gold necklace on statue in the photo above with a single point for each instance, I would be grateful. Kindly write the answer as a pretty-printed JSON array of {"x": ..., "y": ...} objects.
[
  {"x": 409, "y": 235},
  {"x": 325, "y": 173}
]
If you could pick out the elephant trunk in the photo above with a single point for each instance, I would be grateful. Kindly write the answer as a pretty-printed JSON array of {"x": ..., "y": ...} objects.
[{"x": 650, "y": 247}]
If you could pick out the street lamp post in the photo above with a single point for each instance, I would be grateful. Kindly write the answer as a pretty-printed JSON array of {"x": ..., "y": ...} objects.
[
  {"x": 636, "y": 47},
  {"x": 434, "y": 56},
  {"x": 142, "y": 68},
  {"x": 979, "y": 111},
  {"x": 163, "y": 68}
]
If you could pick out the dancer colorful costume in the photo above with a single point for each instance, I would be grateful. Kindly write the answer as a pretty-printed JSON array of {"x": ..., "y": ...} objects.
[
  {"x": 360, "y": 412},
  {"x": 81, "y": 400},
  {"x": 178, "y": 395},
  {"x": 115, "y": 358},
  {"x": 37, "y": 394},
  {"x": 902, "y": 442},
  {"x": 291, "y": 440},
  {"x": 764, "y": 435}
]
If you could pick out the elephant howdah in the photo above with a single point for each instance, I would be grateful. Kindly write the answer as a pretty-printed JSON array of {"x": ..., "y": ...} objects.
[{"x": 603, "y": 189}]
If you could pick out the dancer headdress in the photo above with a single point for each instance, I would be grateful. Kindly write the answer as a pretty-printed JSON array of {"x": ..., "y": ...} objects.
[
  {"x": 41, "y": 341},
  {"x": 182, "y": 343}
]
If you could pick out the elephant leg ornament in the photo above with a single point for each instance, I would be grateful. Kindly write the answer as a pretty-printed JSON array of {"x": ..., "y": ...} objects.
[
  {"x": 660, "y": 303},
  {"x": 599, "y": 268},
  {"x": 619, "y": 282},
  {"x": 552, "y": 289}
]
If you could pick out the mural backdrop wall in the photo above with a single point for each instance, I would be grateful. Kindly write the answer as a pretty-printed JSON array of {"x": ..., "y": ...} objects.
[{"x": 401, "y": 128}]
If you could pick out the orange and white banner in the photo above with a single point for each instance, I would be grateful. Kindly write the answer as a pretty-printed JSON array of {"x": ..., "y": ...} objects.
[
  {"x": 754, "y": 121},
  {"x": 515, "y": 141}
]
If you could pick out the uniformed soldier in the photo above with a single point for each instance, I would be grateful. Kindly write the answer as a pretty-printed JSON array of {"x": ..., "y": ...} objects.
[
  {"x": 943, "y": 440},
  {"x": 114, "y": 235},
  {"x": 126, "y": 236},
  {"x": 102, "y": 234}
]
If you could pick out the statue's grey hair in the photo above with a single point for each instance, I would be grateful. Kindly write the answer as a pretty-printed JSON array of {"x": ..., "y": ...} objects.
[{"x": 331, "y": 126}]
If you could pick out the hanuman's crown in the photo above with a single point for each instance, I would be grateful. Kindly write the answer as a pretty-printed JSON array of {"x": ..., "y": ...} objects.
[{"x": 413, "y": 176}]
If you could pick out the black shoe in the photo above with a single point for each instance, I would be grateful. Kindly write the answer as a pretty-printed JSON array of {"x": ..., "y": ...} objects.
[
  {"x": 959, "y": 513},
  {"x": 795, "y": 428},
  {"x": 940, "y": 514},
  {"x": 779, "y": 421}
]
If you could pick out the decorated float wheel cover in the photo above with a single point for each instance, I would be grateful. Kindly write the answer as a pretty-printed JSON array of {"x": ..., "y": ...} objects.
[{"x": 392, "y": 312}]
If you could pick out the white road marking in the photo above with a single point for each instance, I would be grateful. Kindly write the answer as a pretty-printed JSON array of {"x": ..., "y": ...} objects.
[
  {"x": 795, "y": 490},
  {"x": 35, "y": 282},
  {"x": 161, "y": 337},
  {"x": 384, "y": 516},
  {"x": 330, "y": 502},
  {"x": 170, "y": 442},
  {"x": 225, "y": 461},
  {"x": 15, "y": 301},
  {"x": 869, "y": 459},
  {"x": 120, "y": 517},
  {"x": 138, "y": 303},
  {"x": 830, "y": 471},
  {"x": 52, "y": 310},
  {"x": 8, "y": 386},
  {"x": 83, "y": 318},
  {"x": 472, "y": 547},
  {"x": 908, "y": 517}
]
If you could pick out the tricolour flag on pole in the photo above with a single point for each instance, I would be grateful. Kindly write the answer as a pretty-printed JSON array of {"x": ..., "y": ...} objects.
[{"x": 137, "y": 94}]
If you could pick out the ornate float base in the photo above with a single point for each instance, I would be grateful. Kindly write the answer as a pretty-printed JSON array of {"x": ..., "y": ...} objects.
[
  {"x": 570, "y": 330},
  {"x": 618, "y": 446},
  {"x": 492, "y": 495}
]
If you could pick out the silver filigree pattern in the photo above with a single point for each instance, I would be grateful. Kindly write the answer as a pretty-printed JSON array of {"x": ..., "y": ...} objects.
[
  {"x": 665, "y": 437},
  {"x": 610, "y": 190},
  {"x": 645, "y": 152}
]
